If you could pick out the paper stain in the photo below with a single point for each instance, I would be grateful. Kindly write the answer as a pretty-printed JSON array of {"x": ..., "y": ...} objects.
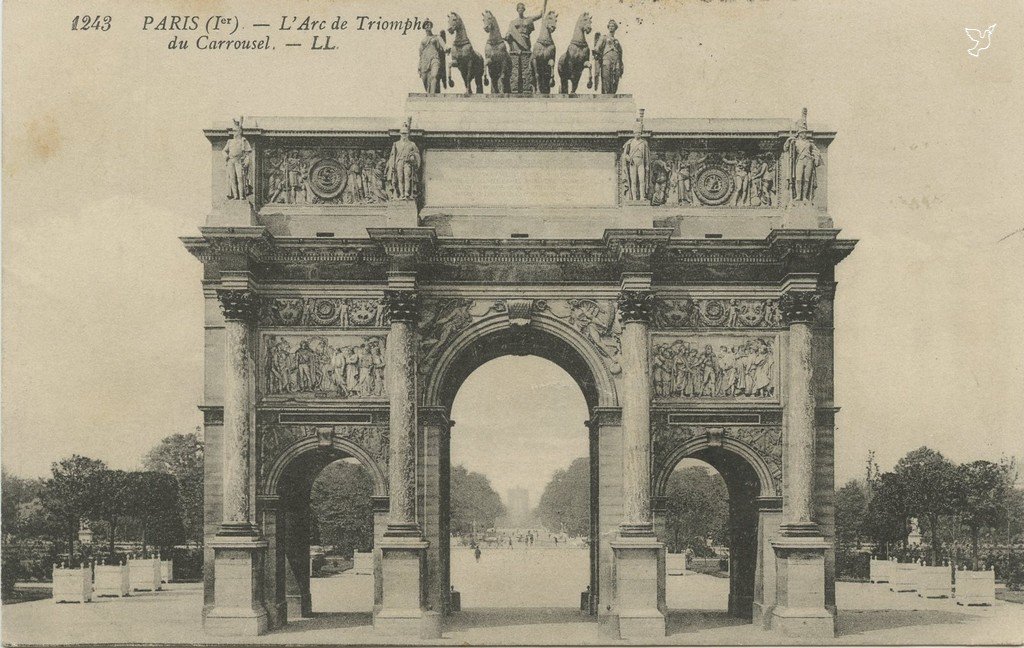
[{"x": 44, "y": 138}]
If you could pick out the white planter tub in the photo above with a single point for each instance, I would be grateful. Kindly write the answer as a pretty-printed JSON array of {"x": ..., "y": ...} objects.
[
  {"x": 72, "y": 585},
  {"x": 144, "y": 574},
  {"x": 166, "y": 571},
  {"x": 975, "y": 587},
  {"x": 903, "y": 577},
  {"x": 675, "y": 564},
  {"x": 362, "y": 562},
  {"x": 881, "y": 570},
  {"x": 934, "y": 582},
  {"x": 111, "y": 580}
]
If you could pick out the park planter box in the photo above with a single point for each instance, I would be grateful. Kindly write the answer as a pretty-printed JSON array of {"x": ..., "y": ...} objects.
[
  {"x": 144, "y": 573},
  {"x": 72, "y": 585},
  {"x": 112, "y": 580},
  {"x": 934, "y": 582},
  {"x": 675, "y": 564},
  {"x": 903, "y": 577},
  {"x": 166, "y": 571},
  {"x": 881, "y": 570},
  {"x": 362, "y": 562},
  {"x": 975, "y": 587}
]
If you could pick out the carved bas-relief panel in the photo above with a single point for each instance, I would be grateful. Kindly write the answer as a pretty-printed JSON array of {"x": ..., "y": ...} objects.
[
  {"x": 332, "y": 366},
  {"x": 724, "y": 367},
  {"x": 326, "y": 176},
  {"x": 763, "y": 441}
]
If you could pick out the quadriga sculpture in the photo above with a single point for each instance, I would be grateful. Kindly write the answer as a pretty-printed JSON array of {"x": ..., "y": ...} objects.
[
  {"x": 576, "y": 58},
  {"x": 464, "y": 57}
]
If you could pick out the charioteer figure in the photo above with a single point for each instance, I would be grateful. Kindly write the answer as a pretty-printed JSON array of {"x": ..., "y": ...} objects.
[
  {"x": 432, "y": 52},
  {"x": 519, "y": 48}
]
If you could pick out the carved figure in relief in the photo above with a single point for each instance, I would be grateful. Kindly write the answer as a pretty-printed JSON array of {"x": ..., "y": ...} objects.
[
  {"x": 685, "y": 369},
  {"x": 636, "y": 157},
  {"x": 318, "y": 368},
  {"x": 404, "y": 165},
  {"x": 576, "y": 58},
  {"x": 238, "y": 162},
  {"x": 439, "y": 325},
  {"x": 497, "y": 60},
  {"x": 464, "y": 57},
  {"x": 519, "y": 47},
  {"x": 432, "y": 69},
  {"x": 608, "y": 61},
  {"x": 542, "y": 57}
]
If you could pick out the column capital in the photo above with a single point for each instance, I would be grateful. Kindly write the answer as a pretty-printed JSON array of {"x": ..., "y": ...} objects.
[
  {"x": 636, "y": 306},
  {"x": 799, "y": 306},
  {"x": 238, "y": 305},
  {"x": 401, "y": 305}
]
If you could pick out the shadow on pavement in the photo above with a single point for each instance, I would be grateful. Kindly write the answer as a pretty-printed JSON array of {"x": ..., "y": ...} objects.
[
  {"x": 496, "y": 617},
  {"x": 686, "y": 621},
  {"x": 858, "y": 622},
  {"x": 327, "y": 621}
]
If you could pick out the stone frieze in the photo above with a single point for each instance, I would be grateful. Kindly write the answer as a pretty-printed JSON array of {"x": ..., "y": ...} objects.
[
  {"x": 716, "y": 313},
  {"x": 326, "y": 176},
  {"x": 322, "y": 311},
  {"x": 715, "y": 367},
  {"x": 330, "y": 366}
]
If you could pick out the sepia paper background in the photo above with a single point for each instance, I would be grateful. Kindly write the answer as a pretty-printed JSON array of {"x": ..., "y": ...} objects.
[{"x": 105, "y": 166}]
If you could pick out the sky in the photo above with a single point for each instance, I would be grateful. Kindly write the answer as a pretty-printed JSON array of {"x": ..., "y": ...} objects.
[{"x": 105, "y": 166}]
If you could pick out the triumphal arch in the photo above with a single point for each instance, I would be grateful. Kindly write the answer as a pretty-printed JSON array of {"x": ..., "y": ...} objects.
[{"x": 358, "y": 269}]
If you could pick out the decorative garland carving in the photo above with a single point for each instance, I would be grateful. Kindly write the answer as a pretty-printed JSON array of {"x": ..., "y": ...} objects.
[
  {"x": 355, "y": 312},
  {"x": 716, "y": 313},
  {"x": 273, "y": 439},
  {"x": 764, "y": 441}
]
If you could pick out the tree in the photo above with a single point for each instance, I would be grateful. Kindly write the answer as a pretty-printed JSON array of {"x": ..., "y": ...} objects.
[
  {"x": 19, "y": 495},
  {"x": 153, "y": 502},
  {"x": 886, "y": 520},
  {"x": 473, "y": 500},
  {"x": 928, "y": 482},
  {"x": 68, "y": 495},
  {"x": 113, "y": 499},
  {"x": 565, "y": 502},
  {"x": 341, "y": 510},
  {"x": 851, "y": 512},
  {"x": 181, "y": 455},
  {"x": 696, "y": 509},
  {"x": 982, "y": 499}
]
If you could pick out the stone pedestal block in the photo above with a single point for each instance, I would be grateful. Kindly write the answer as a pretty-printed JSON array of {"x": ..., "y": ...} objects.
[
  {"x": 237, "y": 608},
  {"x": 232, "y": 213},
  {"x": 402, "y": 612},
  {"x": 800, "y": 586},
  {"x": 111, "y": 580},
  {"x": 636, "y": 587},
  {"x": 402, "y": 213}
]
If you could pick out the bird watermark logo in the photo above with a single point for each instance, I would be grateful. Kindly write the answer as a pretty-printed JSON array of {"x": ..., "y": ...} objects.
[{"x": 981, "y": 39}]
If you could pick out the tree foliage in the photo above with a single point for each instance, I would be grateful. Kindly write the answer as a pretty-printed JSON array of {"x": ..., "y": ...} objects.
[
  {"x": 473, "y": 501},
  {"x": 68, "y": 496},
  {"x": 155, "y": 508},
  {"x": 851, "y": 512},
  {"x": 981, "y": 499},
  {"x": 341, "y": 509},
  {"x": 929, "y": 489},
  {"x": 696, "y": 509},
  {"x": 181, "y": 455},
  {"x": 565, "y": 502}
]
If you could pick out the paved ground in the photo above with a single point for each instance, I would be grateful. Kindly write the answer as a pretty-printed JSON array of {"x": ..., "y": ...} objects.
[{"x": 513, "y": 596}]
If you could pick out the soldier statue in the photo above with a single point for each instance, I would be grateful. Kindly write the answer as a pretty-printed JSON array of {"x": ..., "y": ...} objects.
[
  {"x": 803, "y": 160},
  {"x": 432, "y": 68},
  {"x": 519, "y": 48},
  {"x": 608, "y": 59},
  {"x": 636, "y": 159},
  {"x": 238, "y": 161},
  {"x": 404, "y": 165}
]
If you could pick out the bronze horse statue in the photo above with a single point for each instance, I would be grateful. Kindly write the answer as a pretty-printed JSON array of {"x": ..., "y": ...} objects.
[
  {"x": 464, "y": 57},
  {"x": 497, "y": 61},
  {"x": 576, "y": 57},
  {"x": 542, "y": 58}
]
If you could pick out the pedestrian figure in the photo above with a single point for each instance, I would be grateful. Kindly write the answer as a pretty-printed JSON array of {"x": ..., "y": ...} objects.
[{"x": 476, "y": 553}]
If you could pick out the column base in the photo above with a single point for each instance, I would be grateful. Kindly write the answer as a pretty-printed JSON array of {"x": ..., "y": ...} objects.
[
  {"x": 637, "y": 585},
  {"x": 237, "y": 602},
  {"x": 403, "y": 569},
  {"x": 800, "y": 595}
]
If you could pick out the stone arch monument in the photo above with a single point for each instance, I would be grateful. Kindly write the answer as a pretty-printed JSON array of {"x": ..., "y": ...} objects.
[{"x": 356, "y": 270}]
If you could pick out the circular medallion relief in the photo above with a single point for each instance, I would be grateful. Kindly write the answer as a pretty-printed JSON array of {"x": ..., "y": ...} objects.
[
  {"x": 713, "y": 185},
  {"x": 327, "y": 178}
]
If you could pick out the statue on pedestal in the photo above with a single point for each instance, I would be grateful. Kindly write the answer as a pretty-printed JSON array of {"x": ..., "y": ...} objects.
[
  {"x": 636, "y": 160},
  {"x": 802, "y": 160},
  {"x": 404, "y": 165},
  {"x": 432, "y": 69},
  {"x": 238, "y": 162},
  {"x": 497, "y": 61},
  {"x": 464, "y": 57},
  {"x": 608, "y": 60},
  {"x": 518, "y": 39}
]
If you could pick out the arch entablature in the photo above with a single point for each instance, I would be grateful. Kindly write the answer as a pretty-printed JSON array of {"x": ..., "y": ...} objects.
[
  {"x": 369, "y": 445},
  {"x": 591, "y": 361},
  {"x": 759, "y": 446}
]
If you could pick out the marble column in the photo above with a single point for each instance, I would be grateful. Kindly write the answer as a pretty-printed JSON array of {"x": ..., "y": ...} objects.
[
  {"x": 402, "y": 611},
  {"x": 639, "y": 557},
  {"x": 239, "y": 551},
  {"x": 800, "y": 549}
]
